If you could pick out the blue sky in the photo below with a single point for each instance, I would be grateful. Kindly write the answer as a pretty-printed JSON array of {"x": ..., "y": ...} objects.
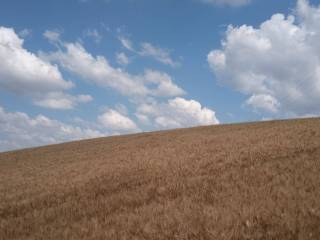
[{"x": 79, "y": 69}]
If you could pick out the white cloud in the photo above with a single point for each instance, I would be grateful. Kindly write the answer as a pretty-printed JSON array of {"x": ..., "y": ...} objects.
[
  {"x": 160, "y": 54},
  {"x": 117, "y": 121},
  {"x": 143, "y": 119},
  {"x": 234, "y": 3},
  {"x": 18, "y": 130},
  {"x": 22, "y": 71},
  {"x": 126, "y": 43},
  {"x": 52, "y": 35},
  {"x": 97, "y": 69},
  {"x": 122, "y": 59},
  {"x": 264, "y": 102},
  {"x": 149, "y": 50},
  {"x": 94, "y": 34},
  {"x": 176, "y": 113},
  {"x": 164, "y": 84},
  {"x": 277, "y": 64},
  {"x": 60, "y": 100}
]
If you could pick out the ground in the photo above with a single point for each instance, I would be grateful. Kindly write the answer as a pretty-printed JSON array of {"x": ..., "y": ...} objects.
[{"x": 243, "y": 181}]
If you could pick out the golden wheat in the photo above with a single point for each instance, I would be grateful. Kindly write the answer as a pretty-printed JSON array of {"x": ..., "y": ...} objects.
[{"x": 246, "y": 181}]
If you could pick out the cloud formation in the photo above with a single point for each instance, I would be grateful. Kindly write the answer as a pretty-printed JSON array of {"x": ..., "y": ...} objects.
[
  {"x": 164, "y": 85},
  {"x": 52, "y": 35},
  {"x": 22, "y": 71},
  {"x": 62, "y": 101},
  {"x": 159, "y": 54},
  {"x": 116, "y": 121},
  {"x": 122, "y": 59},
  {"x": 149, "y": 50},
  {"x": 126, "y": 43},
  {"x": 277, "y": 65},
  {"x": 25, "y": 73},
  {"x": 38, "y": 76},
  {"x": 77, "y": 60},
  {"x": 19, "y": 130},
  {"x": 176, "y": 113},
  {"x": 74, "y": 58}
]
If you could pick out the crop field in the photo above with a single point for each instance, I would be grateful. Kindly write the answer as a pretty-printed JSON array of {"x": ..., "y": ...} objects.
[{"x": 242, "y": 181}]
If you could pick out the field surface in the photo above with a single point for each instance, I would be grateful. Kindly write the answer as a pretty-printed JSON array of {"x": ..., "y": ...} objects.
[{"x": 245, "y": 181}]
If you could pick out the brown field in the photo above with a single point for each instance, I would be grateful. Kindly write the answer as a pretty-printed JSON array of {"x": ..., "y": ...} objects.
[{"x": 246, "y": 181}]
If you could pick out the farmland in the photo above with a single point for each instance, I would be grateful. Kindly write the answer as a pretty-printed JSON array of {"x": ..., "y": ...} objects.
[{"x": 241, "y": 181}]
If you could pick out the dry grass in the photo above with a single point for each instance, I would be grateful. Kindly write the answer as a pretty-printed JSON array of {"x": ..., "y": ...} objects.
[{"x": 247, "y": 181}]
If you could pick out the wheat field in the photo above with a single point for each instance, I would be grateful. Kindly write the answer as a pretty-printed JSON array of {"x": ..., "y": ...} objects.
[{"x": 242, "y": 181}]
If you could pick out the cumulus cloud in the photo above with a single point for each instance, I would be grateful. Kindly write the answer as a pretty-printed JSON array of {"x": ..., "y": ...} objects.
[
  {"x": 176, "y": 113},
  {"x": 117, "y": 121},
  {"x": 264, "y": 102},
  {"x": 77, "y": 60},
  {"x": 25, "y": 73},
  {"x": 22, "y": 71},
  {"x": 19, "y": 130},
  {"x": 234, "y": 3},
  {"x": 97, "y": 69},
  {"x": 164, "y": 84},
  {"x": 276, "y": 64}
]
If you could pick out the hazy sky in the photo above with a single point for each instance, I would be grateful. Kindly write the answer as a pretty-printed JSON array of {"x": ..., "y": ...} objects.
[{"x": 86, "y": 68}]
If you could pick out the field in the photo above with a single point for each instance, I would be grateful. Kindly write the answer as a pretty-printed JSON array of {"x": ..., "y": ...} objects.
[{"x": 243, "y": 181}]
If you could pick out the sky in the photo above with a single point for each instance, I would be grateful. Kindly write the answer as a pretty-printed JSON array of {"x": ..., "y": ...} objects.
[{"x": 81, "y": 69}]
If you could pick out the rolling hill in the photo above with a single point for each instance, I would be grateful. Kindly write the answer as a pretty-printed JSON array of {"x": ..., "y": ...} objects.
[{"x": 241, "y": 181}]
